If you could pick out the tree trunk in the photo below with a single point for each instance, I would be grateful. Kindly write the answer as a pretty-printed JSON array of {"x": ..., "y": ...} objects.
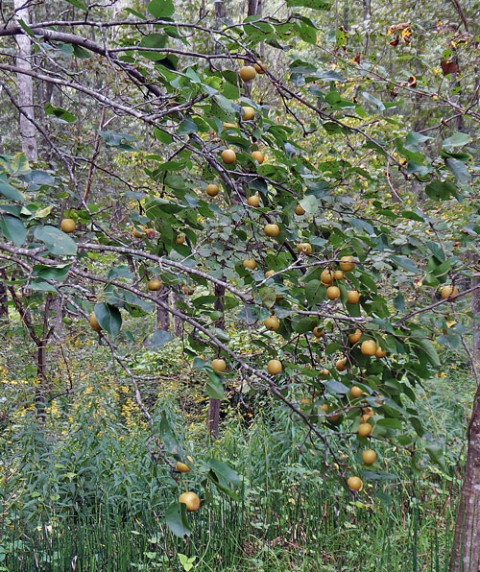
[
  {"x": 25, "y": 87},
  {"x": 163, "y": 317},
  {"x": 465, "y": 556},
  {"x": 214, "y": 404},
  {"x": 3, "y": 297}
]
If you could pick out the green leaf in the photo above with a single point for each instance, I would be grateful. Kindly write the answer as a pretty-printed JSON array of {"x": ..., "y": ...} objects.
[
  {"x": 158, "y": 340},
  {"x": 62, "y": 114},
  {"x": 315, "y": 4},
  {"x": 56, "y": 240},
  {"x": 456, "y": 140},
  {"x": 225, "y": 473},
  {"x": 441, "y": 190},
  {"x": 57, "y": 273},
  {"x": 78, "y": 4},
  {"x": 459, "y": 170},
  {"x": 10, "y": 192},
  {"x": 12, "y": 228},
  {"x": 390, "y": 423},
  {"x": 336, "y": 388},
  {"x": 161, "y": 8},
  {"x": 428, "y": 350},
  {"x": 108, "y": 317},
  {"x": 177, "y": 521}
]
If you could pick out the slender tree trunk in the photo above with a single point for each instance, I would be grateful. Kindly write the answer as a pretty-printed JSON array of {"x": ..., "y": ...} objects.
[
  {"x": 177, "y": 322},
  {"x": 465, "y": 556},
  {"x": 25, "y": 86},
  {"x": 3, "y": 296},
  {"x": 163, "y": 317},
  {"x": 214, "y": 404}
]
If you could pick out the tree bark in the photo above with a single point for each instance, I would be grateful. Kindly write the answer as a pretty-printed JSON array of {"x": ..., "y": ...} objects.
[
  {"x": 25, "y": 86},
  {"x": 465, "y": 556},
  {"x": 214, "y": 404},
  {"x": 163, "y": 317}
]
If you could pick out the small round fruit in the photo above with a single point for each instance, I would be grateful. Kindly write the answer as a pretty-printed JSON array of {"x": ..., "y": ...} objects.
[
  {"x": 94, "y": 322},
  {"x": 318, "y": 332},
  {"x": 334, "y": 417},
  {"x": 338, "y": 274},
  {"x": 180, "y": 238},
  {"x": 347, "y": 263},
  {"x": 191, "y": 500},
  {"x": 188, "y": 289},
  {"x": 380, "y": 353},
  {"x": 259, "y": 67},
  {"x": 250, "y": 263},
  {"x": 369, "y": 457},
  {"x": 269, "y": 273},
  {"x": 299, "y": 210},
  {"x": 368, "y": 347},
  {"x": 253, "y": 201},
  {"x": 272, "y": 323},
  {"x": 182, "y": 467},
  {"x": 212, "y": 190},
  {"x": 272, "y": 230},
  {"x": 248, "y": 113},
  {"x": 448, "y": 291},
  {"x": 305, "y": 248},
  {"x": 367, "y": 412},
  {"x": 68, "y": 225},
  {"x": 324, "y": 372},
  {"x": 355, "y": 336},
  {"x": 365, "y": 429},
  {"x": 154, "y": 284},
  {"x": 258, "y": 156},
  {"x": 341, "y": 364},
  {"x": 355, "y": 483},
  {"x": 274, "y": 367},
  {"x": 228, "y": 156},
  {"x": 333, "y": 292},
  {"x": 353, "y": 297},
  {"x": 326, "y": 276},
  {"x": 356, "y": 392},
  {"x": 219, "y": 365},
  {"x": 138, "y": 232},
  {"x": 324, "y": 407},
  {"x": 247, "y": 73}
]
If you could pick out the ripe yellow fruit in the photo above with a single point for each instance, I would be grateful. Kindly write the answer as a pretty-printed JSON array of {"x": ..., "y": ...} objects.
[
  {"x": 272, "y": 323},
  {"x": 318, "y": 333},
  {"x": 324, "y": 372},
  {"x": 188, "y": 289},
  {"x": 230, "y": 125},
  {"x": 254, "y": 200},
  {"x": 94, "y": 322},
  {"x": 191, "y": 500},
  {"x": 180, "y": 238},
  {"x": 341, "y": 364},
  {"x": 365, "y": 429},
  {"x": 380, "y": 353},
  {"x": 347, "y": 263},
  {"x": 269, "y": 273},
  {"x": 67, "y": 225},
  {"x": 182, "y": 467},
  {"x": 299, "y": 210},
  {"x": 248, "y": 113},
  {"x": 356, "y": 392},
  {"x": 250, "y": 263},
  {"x": 448, "y": 291},
  {"x": 212, "y": 190},
  {"x": 369, "y": 457},
  {"x": 154, "y": 284},
  {"x": 353, "y": 297},
  {"x": 274, "y": 367},
  {"x": 355, "y": 483},
  {"x": 219, "y": 365},
  {"x": 228, "y": 156},
  {"x": 272, "y": 230},
  {"x": 326, "y": 276},
  {"x": 138, "y": 232},
  {"x": 259, "y": 67},
  {"x": 333, "y": 292},
  {"x": 258, "y": 156},
  {"x": 354, "y": 337},
  {"x": 338, "y": 274},
  {"x": 368, "y": 347},
  {"x": 367, "y": 413},
  {"x": 305, "y": 248},
  {"x": 324, "y": 407},
  {"x": 247, "y": 73}
]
